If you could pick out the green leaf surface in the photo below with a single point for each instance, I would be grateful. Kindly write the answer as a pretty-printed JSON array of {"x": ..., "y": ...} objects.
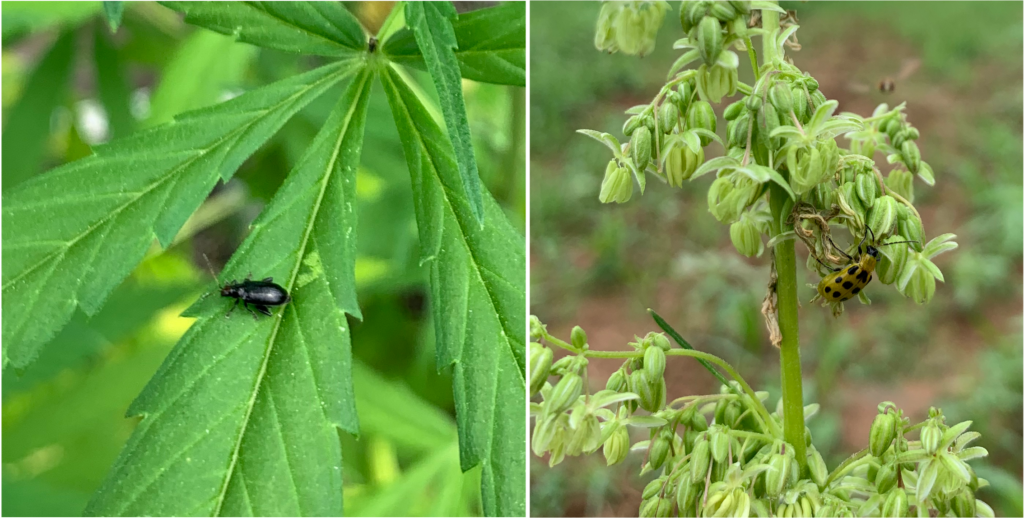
[
  {"x": 318, "y": 28},
  {"x": 72, "y": 234},
  {"x": 27, "y": 127},
  {"x": 112, "y": 85},
  {"x": 202, "y": 68},
  {"x": 26, "y": 17},
  {"x": 431, "y": 22},
  {"x": 391, "y": 409},
  {"x": 477, "y": 278},
  {"x": 242, "y": 417},
  {"x": 491, "y": 45},
  {"x": 113, "y": 12}
]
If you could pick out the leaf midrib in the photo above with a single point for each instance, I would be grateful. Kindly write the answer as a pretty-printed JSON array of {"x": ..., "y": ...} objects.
[
  {"x": 170, "y": 174},
  {"x": 291, "y": 283}
]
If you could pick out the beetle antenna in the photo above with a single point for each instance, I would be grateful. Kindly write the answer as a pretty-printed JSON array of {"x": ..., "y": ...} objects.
[
  {"x": 840, "y": 250},
  {"x": 866, "y": 237},
  {"x": 829, "y": 267},
  {"x": 210, "y": 265},
  {"x": 899, "y": 242}
]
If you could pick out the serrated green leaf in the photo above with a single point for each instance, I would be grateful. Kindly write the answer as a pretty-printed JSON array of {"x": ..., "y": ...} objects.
[
  {"x": 477, "y": 278},
  {"x": 112, "y": 86},
  {"x": 113, "y": 11},
  {"x": 431, "y": 23},
  {"x": 202, "y": 68},
  {"x": 72, "y": 234},
  {"x": 241, "y": 418},
  {"x": 318, "y": 28},
  {"x": 491, "y": 45},
  {"x": 28, "y": 123}
]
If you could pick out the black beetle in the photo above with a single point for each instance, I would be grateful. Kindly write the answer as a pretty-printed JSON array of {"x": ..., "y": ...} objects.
[{"x": 259, "y": 294}]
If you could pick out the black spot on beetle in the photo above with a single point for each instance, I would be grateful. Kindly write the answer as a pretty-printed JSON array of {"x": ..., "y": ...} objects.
[
  {"x": 856, "y": 290},
  {"x": 863, "y": 276},
  {"x": 828, "y": 289},
  {"x": 869, "y": 278},
  {"x": 853, "y": 270},
  {"x": 836, "y": 294},
  {"x": 848, "y": 285},
  {"x": 839, "y": 280}
]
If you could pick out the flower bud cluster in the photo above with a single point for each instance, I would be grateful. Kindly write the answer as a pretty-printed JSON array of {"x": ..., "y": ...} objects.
[{"x": 630, "y": 27}]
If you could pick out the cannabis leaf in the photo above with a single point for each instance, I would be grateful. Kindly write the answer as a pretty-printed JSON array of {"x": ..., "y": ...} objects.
[
  {"x": 431, "y": 23},
  {"x": 72, "y": 234},
  {"x": 242, "y": 417},
  {"x": 477, "y": 278},
  {"x": 491, "y": 45},
  {"x": 318, "y": 28}
]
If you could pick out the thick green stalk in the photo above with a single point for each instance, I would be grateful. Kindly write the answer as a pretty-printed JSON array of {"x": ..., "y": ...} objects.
[{"x": 785, "y": 289}]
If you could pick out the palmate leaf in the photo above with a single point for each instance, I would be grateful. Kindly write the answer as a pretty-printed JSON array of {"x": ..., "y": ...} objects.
[
  {"x": 477, "y": 278},
  {"x": 72, "y": 234},
  {"x": 491, "y": 45},
  {"x": 431, "y": 22},
  {"x": 242, "y": 417},
  {"x": 318, "y": 28}
]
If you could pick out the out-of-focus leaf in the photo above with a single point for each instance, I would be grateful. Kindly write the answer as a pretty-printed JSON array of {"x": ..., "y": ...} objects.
[
  {"x": 388, "y": 408},
  {"x": 130, "y": 306},
  {"x": 491, "y": 45},
  {"x": 431, "y": 22},
  {"x": 72, "y": 234},
  {"x": 112, "y": 85},
  {"x": 204, "y": 65},
  {"x": 477, "y": 279},
  {"x": 319, "y": 28},
  {"x": 432, "y": 487},
  {"x": 28, "y": 125},
  {"x": 25, "y": 17},
  {"x": 242, "y": 417},
  {"x": 113, "y": 11}
]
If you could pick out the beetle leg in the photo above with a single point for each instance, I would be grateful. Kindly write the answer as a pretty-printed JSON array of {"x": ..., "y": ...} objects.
[
  {"x": 268, "y": 280},
  {"x": 263, "y": 309},
  {"x": 232, "y": 309},
  {"x": 254, "y": 316}
]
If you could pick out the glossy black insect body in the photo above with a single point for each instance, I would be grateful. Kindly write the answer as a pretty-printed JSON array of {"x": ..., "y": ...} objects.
[{"x": 260, "y": 294}]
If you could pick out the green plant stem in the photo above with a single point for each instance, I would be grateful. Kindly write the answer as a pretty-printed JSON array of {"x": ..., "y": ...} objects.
[
  {"x": 785, "y": 289},
  {"x": 846, "y": 466}
]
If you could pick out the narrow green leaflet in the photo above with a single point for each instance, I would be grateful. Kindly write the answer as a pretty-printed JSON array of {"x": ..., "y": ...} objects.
[
  {"x": 113, "y": 11},
  {"x": 318, "y": 28},
  {"x": 431, "y": 23},
  {"x": 27, "y": 125},
  {"x": 477, "y": 278},
  {"x": 112, "y": 85},
  {"x": 491, "y": 45},
  {"x": 72, "y": 234},
  {"x": 242, "y": 418}
]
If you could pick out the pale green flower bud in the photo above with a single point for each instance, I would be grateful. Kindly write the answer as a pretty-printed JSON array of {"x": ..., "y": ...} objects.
[
  {"x": 723, "y": 11},
  {"x": 902, "y": 182},
  {"x": 700, "y": 458},
  {"x": 883, "y": 432},
  {"x": 686, "y": 494},
  {"x": 911, "y": 156},
  {"x": 680, "y": 163},
  {"x": 896, "y": 504},
  {"x": 718, "y": 81},
  {"x": 892, "y": 261},
  {"x": 781, "y": 97},
  {"x": 702, "y": 115},
  {"x": 617, "y": 185},
  {"x": 654, "y": 362},
  {"x": 564, "y": 393},
  {"x": 541, "y": 358},
  {"x": 800, "y": 108},
  {"x": 617, "y": 382},
  {"x": 630, "y": 31},
  {"x": 659, "y": 451},
  {"x": 885, "y": 478},
  {"x": 690, "y": 14},
  {"x": 921, "y": 287},
  {"x": 579, "y": 338},
  {"x": 911, "y": 227},
  {"x": 640, "y": 147},
  {"x": 734, "y": 110},
  {"x": 719, "y": 443},
  {"x": 816, "y": 466},
  {"x": 664, "y": 507},
  {"x": 537, "y": 329},
  {"x": 709, "y": 39},
  {"x": 604, "y": 37},
  {"x": 543, "y": 434},
  {"x": 867, "y": 188},
  {"x": 882, "y": 217},
  {"x": 616, "y": 447},
  {"x": 631, "y": 125},
  {"x": 931, "y": 437},
  {"x": 780, "y": 466},
  {"x": 668, "y": 117},
  {"x": 746, "y": 237},
  {"x": 653, "y": 488},
  {"x": 649, "y": 507},
  {"x": 964, "y": 504}
]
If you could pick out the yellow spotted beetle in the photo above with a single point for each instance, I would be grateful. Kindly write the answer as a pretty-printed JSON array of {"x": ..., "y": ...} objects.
[{"x": 846, "y": 282}]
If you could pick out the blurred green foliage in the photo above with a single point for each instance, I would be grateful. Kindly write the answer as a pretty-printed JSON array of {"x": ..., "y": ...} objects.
[
  {"x": 601, "y": 267},
  {"x": 63, "y": 416}
]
